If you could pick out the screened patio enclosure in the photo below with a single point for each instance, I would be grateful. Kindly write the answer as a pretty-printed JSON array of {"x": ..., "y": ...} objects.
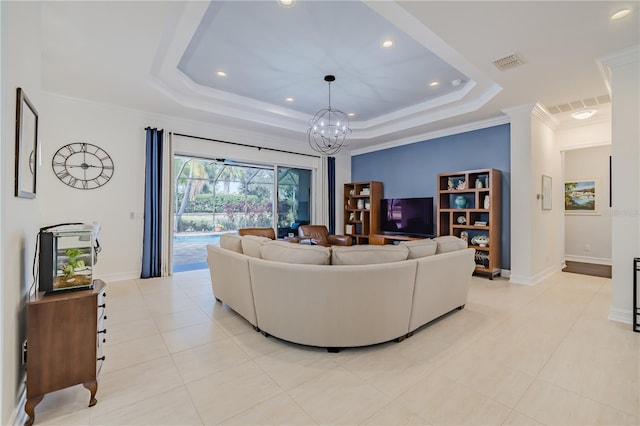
[{"x": 213, "y": 197}]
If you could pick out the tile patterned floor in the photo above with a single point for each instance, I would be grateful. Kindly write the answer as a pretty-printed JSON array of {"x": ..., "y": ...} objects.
[{"x": 516, "y": 355}]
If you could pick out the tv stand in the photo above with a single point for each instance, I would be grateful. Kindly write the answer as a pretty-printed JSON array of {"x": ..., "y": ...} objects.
[{"x": 382, "y": 239}]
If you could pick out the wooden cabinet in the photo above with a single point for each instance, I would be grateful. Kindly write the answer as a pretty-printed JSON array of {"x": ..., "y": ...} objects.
[
  {"x": 65, "y": 334},
  {"x": 469, "y": 207},
  {"x": 362, "y": 210}
]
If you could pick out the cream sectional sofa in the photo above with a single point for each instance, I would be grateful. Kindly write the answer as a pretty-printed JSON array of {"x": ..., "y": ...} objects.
[{"x": 337, "y": 297}]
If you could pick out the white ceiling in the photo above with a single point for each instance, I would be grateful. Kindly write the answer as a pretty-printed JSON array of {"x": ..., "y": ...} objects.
[{"x": 162, "y": 57}]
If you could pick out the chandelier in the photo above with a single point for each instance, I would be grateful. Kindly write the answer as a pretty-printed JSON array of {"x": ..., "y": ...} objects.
[{"x": 329, "y": 127}]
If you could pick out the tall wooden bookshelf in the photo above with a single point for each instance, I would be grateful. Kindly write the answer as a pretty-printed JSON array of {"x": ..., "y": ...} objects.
[
  {"x": 469, "y": 207},
  {"x": 362, "y": 210}
]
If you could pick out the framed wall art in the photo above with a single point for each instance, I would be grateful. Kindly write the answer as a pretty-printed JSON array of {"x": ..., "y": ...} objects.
[
  {"x": 581, "y": 197},
  {"x": 26, "y": 146}
]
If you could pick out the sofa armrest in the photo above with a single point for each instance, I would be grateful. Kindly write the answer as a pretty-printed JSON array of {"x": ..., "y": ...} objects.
[{"x": 339, "y": 240}]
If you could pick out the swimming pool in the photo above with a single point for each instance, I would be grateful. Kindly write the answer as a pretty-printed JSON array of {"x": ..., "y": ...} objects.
[
  {"x": 190, "y": 251},
  {"x": 197, "y": 239}
]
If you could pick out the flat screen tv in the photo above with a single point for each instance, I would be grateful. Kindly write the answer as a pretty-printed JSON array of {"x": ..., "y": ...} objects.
[{"x": 407, "y": 216}]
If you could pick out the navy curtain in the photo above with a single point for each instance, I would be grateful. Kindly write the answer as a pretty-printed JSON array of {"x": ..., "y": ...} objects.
[
  {"x": 152, "y": 233},
  {"x": 331, "y": 172}
]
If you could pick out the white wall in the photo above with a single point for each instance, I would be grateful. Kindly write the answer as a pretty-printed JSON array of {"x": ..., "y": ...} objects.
[
  {"x": 21, "y": 67},
  {"x": 588, "y": 237},
  {"x": 120, "y": 132}
]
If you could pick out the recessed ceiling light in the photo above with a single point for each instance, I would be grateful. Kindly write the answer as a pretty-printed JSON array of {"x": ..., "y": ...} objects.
[
  {"x": 584, "y": 114},
  {"x": 351, "y": 114},
  {"x": 289, "y": 99},
  {"x": 387, "y": 43},
  {"x": 221, "y": 74},
  {"x": 434, "y": 83},
  {"x": 620, "y": 14},
  {"x": 286, "y": 3}
]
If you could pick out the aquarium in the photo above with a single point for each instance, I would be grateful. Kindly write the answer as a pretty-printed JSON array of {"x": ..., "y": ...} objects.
[{"x": 67, "y": 255}]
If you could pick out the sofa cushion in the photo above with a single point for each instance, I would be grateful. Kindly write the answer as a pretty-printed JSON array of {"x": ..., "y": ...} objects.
[
  {"x": 231, "y": 242},
  {"x": 251, "y": 245},
  {"x": 449, "y": 243},
  {"x": 420, "y": 248},
  {"x": 281, "y": 251},
  {"x": 367, "y": 255}
]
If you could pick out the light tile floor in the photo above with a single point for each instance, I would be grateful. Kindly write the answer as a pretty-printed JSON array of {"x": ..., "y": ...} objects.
[{"x": 517, "y": 355}]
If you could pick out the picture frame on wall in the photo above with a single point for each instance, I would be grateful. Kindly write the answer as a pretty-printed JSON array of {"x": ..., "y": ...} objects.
[
  {"x": 581, "y": 197},
  {"x": 546, "y": 192},
  {"x": 26, "y": 146}
]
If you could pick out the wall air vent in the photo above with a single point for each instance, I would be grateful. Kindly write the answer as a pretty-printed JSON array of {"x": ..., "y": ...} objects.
[{"x": 508, "y": 62}]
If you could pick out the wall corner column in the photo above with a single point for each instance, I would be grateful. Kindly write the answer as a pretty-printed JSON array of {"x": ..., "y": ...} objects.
[{"x": 622, "y": 71}]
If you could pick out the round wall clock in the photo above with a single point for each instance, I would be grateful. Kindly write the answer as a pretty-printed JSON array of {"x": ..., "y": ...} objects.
[{"x": 82, "y": 165}]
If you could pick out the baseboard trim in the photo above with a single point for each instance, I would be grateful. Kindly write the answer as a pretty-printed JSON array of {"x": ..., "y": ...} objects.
[
  {"x": 524, "y": 280},
  {"x": 119, "y": 276},
  {"x": 585, "y": 259},
  {"x": 621, "y": 315}
]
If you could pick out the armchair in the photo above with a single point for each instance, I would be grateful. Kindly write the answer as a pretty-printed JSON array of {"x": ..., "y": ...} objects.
[
  {"x": 260, "y": 232},
  {"x": 319, "y": 234}
]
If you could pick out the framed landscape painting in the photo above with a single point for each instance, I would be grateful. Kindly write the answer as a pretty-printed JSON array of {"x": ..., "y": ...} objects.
[{"x": 581, "y": 197}]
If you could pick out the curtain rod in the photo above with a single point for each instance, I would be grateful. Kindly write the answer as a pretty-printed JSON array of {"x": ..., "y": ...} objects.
[{"x": 259, "y": 148}]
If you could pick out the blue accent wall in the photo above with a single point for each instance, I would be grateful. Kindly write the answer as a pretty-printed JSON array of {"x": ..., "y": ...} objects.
[{"x": 411, "y": 170}]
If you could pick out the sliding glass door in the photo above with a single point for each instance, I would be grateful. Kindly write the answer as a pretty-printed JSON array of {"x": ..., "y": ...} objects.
[
  {"x": 294, "y": 200},
  {"x": 214, "y": 197}
]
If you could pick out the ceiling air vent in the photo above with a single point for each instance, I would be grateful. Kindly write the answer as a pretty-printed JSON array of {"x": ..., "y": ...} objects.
[
  {"x": 579, "y": 104},
  {"x": 508, "y": 62}
]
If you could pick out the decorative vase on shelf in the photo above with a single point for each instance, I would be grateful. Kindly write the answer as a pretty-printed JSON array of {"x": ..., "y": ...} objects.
[
  {"x": 460, "y": 202},
  {"x": 360, "y": 204},
  {"x": 479, "y": 183},
  {"x": 486, "y": 202}
]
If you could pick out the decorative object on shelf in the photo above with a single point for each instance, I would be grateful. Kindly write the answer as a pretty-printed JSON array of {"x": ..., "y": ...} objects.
[
  {"x": 352, "y": 191},
  {"x": 360, "y": 204},
  {"x": 367, "y": 205},
  {"x": 365, "y": 191},
  {"x": 82, "y": 165},
  {"x": 464, "y": 236},
  {"x": 480, "y": 240},
  {"x": 486, "y": 202},
  {"x": 461, "y": 220},
  {"x": 450, "y": 185},
  {"x": 482, "y": 259},
  {"x": 329, "y": 128},
  {"x": 352, "y": 216},
  {"x": 26, "y": 146},
  {"x": 479, "y": 223},
  {"x": 460, "y": 202},
  {"x": 461, "y": 184},
  {"x": 479, "y": 183}
]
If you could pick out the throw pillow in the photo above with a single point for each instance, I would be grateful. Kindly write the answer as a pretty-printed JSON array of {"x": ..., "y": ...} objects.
[
  {"x": 231, "y": 242},
  {"x": 282, "y": 251},
  {"x": 368, "y": 255},
  {"x": 449, "y": 243},
  {"x": 251, "y": 244},
  {"x": 420, "y": 248}
]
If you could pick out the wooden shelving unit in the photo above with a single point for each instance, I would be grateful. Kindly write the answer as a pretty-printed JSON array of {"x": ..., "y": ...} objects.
[
  {"x": 469, "y": 206},
  {"x": 362, "y": 210}
]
